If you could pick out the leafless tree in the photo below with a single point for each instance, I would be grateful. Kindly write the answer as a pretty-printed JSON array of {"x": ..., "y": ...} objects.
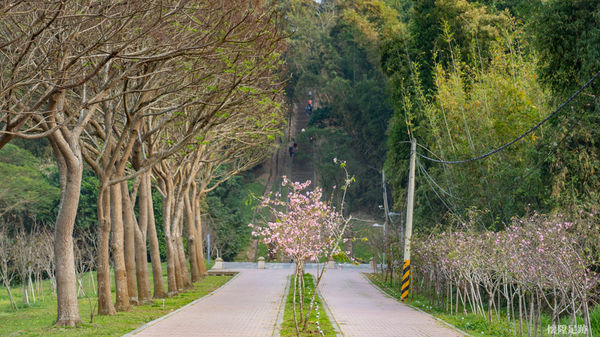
[
  {"x": 85, "y": 258},
  {"x": 40, "y": 259},
  {"x": 45, "y": 249},
  {"x": 98, "y": 70},
  {"x": 6, "y": 270},
  {"x": 54, "y": 50},
  {"x": 22, "y": 257}
]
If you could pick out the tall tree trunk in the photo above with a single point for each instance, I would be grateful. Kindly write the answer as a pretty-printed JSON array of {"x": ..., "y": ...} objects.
[
  {"x": 171, "y": 268},
  {"x": 105, "y": 305},
  {"x": 174, "y": 283},
  {"x": 140, "y": 232},
  {"x": 177, "y": 263},
  {"x": 129, "y": 225},
  {"x": 199, "y": 236},
  {"x": 185, "y": 274},
  {"x": 184, "y": 281},
  {"x": 117, "y": 238},
  {"x": 70, "y": 166},
  {"x": 191, "y": 238},
  {"x": 159, "y": 285}
]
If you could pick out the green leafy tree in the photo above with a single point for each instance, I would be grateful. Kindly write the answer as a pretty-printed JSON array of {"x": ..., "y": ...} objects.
[
  {"x": 334, "y": 52},
  {"x": 231, "y": 209},
  {"x": 566, "y": 34},
  {"x": 465, "y": 87},
  {"x": 25, "y": 189}
]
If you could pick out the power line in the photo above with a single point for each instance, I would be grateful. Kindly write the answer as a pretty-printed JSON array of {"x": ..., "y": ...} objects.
[
  {"x": 550, "y": 153},
  {"x": 450, "y": 208},
  {"x": 428, "y": 176},
  {"x": 428, "y": 150},
  {"x": 560, "y": 107}
]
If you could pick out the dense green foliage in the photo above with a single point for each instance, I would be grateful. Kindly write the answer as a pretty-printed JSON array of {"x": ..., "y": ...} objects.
[
  {"x": 27, "y": 193},
  {"x": 469, "y": 76},
  {"x": 334, "y": 52},
  {"x": 29, "y": 187},
  {"x": 566, "y": 34},
  {"x": 230, "y": 207}
]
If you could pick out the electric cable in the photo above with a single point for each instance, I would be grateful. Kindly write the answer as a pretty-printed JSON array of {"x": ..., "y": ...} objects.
[
  {"x": 436, "y": 193},
  {"x": 533, "y": 128},
  {"x": 437, "y": 185},
  {"x": 551, "y": 152}
]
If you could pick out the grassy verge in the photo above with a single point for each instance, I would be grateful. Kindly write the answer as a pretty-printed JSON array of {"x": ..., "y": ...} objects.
[
  {"x": 475, "y": 325},
  {"x": 37, "y": 319},
  {"x": 317, "y": 314}
]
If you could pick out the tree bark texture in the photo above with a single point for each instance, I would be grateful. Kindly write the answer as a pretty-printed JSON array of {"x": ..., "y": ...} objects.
[
  {"x": 130, "y": 224},
  {"x": 70, "y": 166},
  {"x": 117, "y": 240},
  {"x": 184, "y": 272},
  {"x": 140, "y": 232},
  {"x": 105, "y": 304},
  {"x": 172, "y": 261},
  {"x": 190, "y": 218}
]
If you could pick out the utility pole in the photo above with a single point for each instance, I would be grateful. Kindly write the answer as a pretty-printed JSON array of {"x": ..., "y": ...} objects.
[
  {"x": 385, "y": 224},
  {"x": 409, "y": 217}
]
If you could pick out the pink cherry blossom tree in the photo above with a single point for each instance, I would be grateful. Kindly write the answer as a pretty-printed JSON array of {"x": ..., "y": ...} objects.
[{"x": 306, "y": 228}]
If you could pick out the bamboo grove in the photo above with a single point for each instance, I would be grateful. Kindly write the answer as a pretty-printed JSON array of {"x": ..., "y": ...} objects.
[{"x": 171, "y": 96}]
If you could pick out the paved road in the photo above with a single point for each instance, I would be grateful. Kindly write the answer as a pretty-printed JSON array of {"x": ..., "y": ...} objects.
[
  {"x": 246, "y": 306},
  {"x": 361, "y": 310},
  {"x": 249, "y": 305}
]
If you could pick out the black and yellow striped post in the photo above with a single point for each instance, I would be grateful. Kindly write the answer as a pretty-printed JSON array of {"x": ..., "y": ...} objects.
[
  {"x": 404, "y": 289},
  {"x": 405, "y": 280}
]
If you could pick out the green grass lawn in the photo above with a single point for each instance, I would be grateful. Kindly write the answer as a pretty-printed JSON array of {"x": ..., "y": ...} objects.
[
  {"x": 476, "y": 325},
  {"x": 288, "y": 328},
  {"x": 38, "y": 319}
]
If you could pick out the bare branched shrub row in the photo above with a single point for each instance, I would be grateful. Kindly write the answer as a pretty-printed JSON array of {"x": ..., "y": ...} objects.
[{"x": 540, "y": 264}]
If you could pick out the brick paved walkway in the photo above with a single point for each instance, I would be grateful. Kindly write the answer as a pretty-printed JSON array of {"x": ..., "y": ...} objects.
[
  {"x": 247, "y": 306},
  {"x": 361, "y": 310}
]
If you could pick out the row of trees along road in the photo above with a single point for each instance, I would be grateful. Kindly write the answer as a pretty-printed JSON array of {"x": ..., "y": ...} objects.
[{"x": 173, "y": 95}]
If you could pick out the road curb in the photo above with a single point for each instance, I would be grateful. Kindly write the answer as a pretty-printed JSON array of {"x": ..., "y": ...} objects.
[
  {"x": 334, "y": 323},
  {"x": 281, "y": 308}
]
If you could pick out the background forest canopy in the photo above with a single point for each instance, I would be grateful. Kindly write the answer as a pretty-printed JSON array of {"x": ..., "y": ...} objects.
[
  {"x": 463, "y": 77},
  {"x": 468, "y": 77}
]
